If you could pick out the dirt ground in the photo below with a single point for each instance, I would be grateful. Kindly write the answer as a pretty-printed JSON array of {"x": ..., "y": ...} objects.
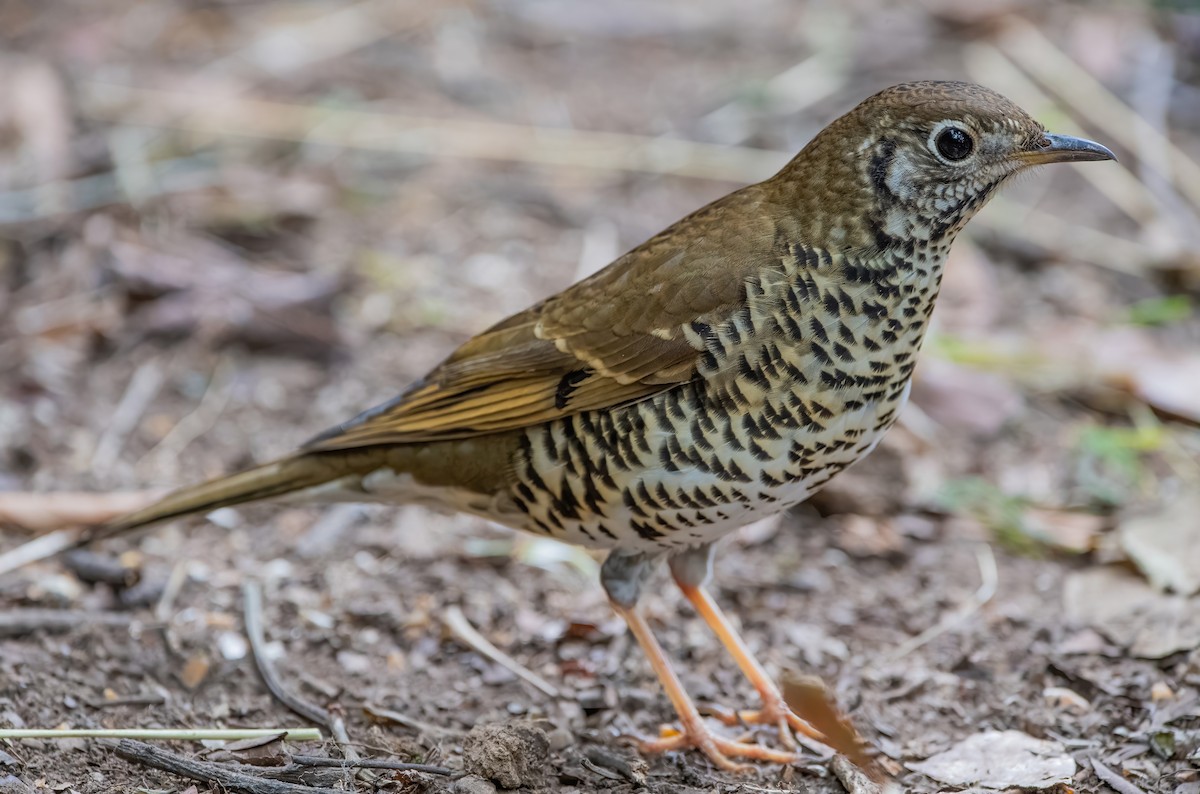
[{"x": 229, "y": 226}]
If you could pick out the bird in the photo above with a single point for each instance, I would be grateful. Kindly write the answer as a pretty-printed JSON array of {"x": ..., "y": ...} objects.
[{"x": 720, "y": 372}]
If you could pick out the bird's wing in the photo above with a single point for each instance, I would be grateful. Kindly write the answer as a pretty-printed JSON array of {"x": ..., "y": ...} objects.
[{"x": 614, "y": 338}]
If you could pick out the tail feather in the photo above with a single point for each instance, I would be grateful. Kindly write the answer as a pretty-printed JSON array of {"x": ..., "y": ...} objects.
[{"x": 262, "y": 482}]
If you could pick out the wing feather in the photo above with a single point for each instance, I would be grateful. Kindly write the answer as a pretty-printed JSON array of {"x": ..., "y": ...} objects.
[{"x": 617, "y": 337}]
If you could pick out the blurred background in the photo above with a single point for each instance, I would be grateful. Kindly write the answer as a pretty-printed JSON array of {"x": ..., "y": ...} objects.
[{"x": 226, "y": 226}]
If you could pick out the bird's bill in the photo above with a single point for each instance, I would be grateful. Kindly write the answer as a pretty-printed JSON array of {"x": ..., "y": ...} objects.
[{"x": 1066, "y": 149}]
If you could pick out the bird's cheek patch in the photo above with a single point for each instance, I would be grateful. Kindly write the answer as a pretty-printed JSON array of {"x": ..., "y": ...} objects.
[{"x": 901, "y": 179}]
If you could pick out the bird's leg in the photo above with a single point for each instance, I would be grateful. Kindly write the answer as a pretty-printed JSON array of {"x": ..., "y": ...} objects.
[
  {"x": 623, "y": 575},
  {"x": 691, "y": 570}
]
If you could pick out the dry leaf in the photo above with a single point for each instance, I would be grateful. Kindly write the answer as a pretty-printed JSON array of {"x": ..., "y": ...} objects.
[
  {"x": 43, "y": 512},
  {"x": 1000, "y": 760},
  {"x": 964, "y": 399},
  {"x": 1165, "y": 545},
  {"x": 1126, "y": 609},
  {"x": 194, "y": 671},
  {"x": 812, "y": 701}
]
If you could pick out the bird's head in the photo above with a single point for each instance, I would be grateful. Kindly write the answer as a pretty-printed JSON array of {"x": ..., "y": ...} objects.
[{"x": 918, "y": 160}]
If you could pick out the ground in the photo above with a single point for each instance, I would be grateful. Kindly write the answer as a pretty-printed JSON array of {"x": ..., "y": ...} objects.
[{"x": 200, "y": 284}]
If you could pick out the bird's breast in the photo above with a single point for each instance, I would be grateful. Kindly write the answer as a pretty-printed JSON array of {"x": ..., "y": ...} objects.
[{"x": 798, "y": 384}]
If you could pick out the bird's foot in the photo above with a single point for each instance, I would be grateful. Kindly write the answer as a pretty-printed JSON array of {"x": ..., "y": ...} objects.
[
  {"x": 718, "y": 750},
  {"x": 774, "y": 712}
]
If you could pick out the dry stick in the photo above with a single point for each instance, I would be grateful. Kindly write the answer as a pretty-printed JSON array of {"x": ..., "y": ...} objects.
[
  {"x": 141, "y": 390},
  {"x": 390, "y": 715},
  {"x": 856, "y": 781},
  {"x": 40, "y": 548},
  {"x": 369, "y": 763},
  {"x": 252, "y": 614},
  {"x": 281, "y": 49},
  {"x": 224, "y": 115},
  {"x": 160, "y": 734},
  {"x": 988, "y": 579},
  {"x": 465, "y": 633},
  {"x": 43, "y": 512},
  {"x": 198, "y": 422},
  {"x": 1118, "y": 184},
  {"x": 18, "y": 622},
  {"x": 1110, "y": 252},
  {"x": 210, "y": 773},
  {"x": 1088, "y": 97},
  {"x": 166, "y": 601},
  {"x": 252, "y": 600}
]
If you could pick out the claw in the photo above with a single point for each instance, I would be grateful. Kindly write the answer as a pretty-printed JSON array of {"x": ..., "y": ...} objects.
[{"x": 717, "y": 749}]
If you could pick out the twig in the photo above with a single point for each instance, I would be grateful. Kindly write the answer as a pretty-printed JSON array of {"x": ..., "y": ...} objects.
[
  {"x": 1118, "y": 254},
  {"x": 209, "y": 772},
  {"x": 465, "y": 633},
  {"x": 1088, "y": 97},
  {"x": 149, "y": 699},
  {"x": 166, "y": 601},
  {"x": 370, "y": 763},
  {"x": 144, "y": 384},
  {"x": 856, "y": 781},
  {"x": 180, "y": 175},
  {"x": 164, "y": 734},
  {"x": 38, "y": 549},
  {"x": 280, "y": 49},
  {"x": 252, "y": 613},
  {"x": 227, "y": 115},
  {"x": 18, "y": 622},
  {"x": 42, "y": 512},
  {"x": 988, "y": 576},
  {"x": 390, "y": 715},
  {"x": 252, "y": 601},
  {"x": 1118, "y": 184},
  {"x": 196, "y": 423}
]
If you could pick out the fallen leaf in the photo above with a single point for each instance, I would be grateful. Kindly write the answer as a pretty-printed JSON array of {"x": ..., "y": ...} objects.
[
  {"x": 1000, "y": 760},
  {"x": 1115, "y": 781},
  {"x": 43, "y": 512},
  {"x": 1130, "y": 359},
  {"x": 867, "y": 536},
  {"x": 812, "y": 701},
  {"x": 194, "y": 671},
  {"x": 1172, "y": 385},
  {"x": 1130, "y": 612},
  {"x": 1070, "y": 530},
  {"x": 1165, "y": 545},
  {"x": 965, "y": 399}
]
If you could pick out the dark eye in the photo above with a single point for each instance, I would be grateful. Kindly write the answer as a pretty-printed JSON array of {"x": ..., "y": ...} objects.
[{"x": 954, "y": 143}]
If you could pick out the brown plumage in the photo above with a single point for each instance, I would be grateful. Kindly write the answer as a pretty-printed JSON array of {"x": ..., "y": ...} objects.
[{"x": 719, "y": 372}]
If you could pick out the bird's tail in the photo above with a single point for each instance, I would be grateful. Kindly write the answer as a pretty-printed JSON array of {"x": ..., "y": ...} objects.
[{"x": 269, "y": 480}]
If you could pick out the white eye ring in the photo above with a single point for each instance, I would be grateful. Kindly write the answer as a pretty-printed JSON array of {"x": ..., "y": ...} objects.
[{"x": 952, "y": 142}]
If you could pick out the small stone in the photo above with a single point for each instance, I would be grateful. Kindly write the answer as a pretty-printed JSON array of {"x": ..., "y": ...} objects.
[
  {"x": 472, "y": 784},
  {"x": 512, "y": 754},
  {"x": 1160, "y": 692},
  {"x": 560, "y": 739}
]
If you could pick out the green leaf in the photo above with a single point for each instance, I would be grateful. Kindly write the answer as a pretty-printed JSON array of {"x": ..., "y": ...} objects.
[{"x": 1160, "y": 311}]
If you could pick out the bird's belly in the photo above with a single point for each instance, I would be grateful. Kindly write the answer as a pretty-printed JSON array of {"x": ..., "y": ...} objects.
[{"x": 657, "y": 478}]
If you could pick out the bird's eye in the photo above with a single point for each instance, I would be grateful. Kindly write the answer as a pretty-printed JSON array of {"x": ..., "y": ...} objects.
[{"x": 954, "y": 143}]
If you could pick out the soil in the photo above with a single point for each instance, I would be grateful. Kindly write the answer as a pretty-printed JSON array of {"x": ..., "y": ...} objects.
[{"x": 223, "y": 297}]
